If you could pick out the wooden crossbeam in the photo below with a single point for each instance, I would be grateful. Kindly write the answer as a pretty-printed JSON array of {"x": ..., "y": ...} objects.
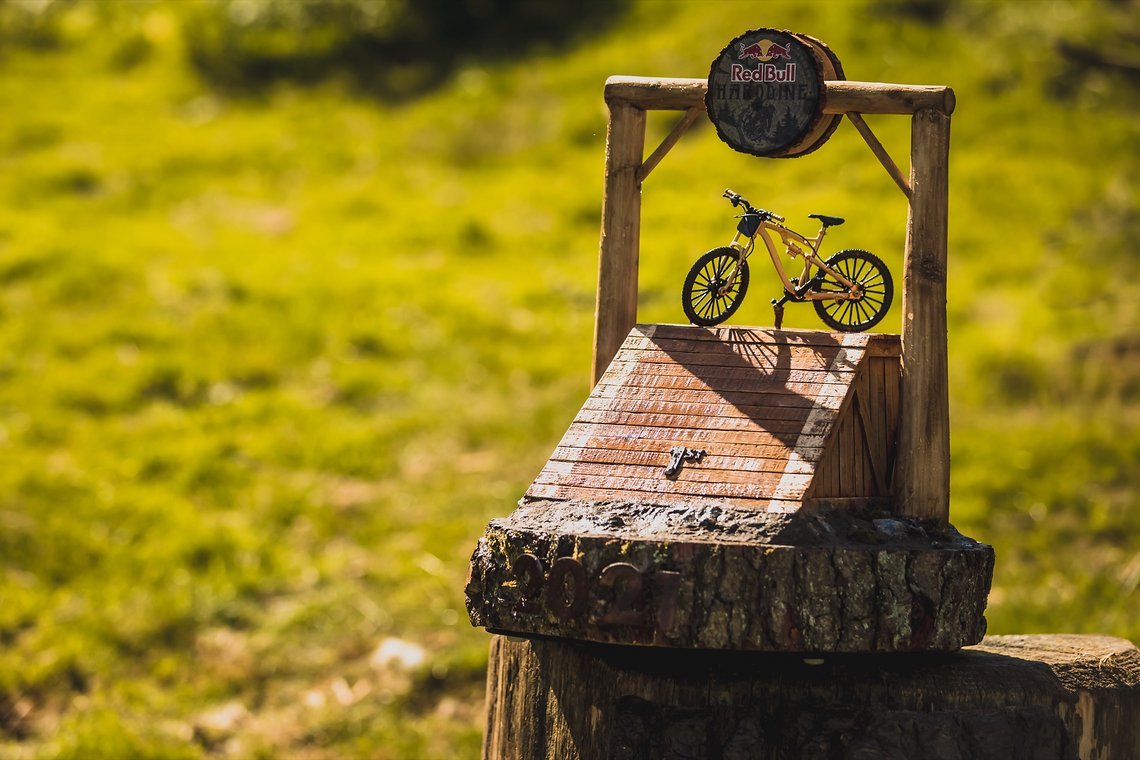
[
  {"x": 667, "y": 144},
  {"x": 880, "y": 152}
]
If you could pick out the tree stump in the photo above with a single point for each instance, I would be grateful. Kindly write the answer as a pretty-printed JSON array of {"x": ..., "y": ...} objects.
[
  {"x": 1010, "y": 698},
  {"x": 735, "y": 578}
]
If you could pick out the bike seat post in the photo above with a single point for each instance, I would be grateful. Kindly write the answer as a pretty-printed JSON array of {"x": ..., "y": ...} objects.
[{"x": 819, "y": 237}]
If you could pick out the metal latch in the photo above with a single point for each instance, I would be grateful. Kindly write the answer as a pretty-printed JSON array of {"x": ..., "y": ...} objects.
[{"x": 679, "y": 455}]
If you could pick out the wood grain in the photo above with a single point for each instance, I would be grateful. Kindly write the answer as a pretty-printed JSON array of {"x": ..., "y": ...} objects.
[
  {"x": 616, "y": 309},
  {"x": 772, "y": 409},
  {"x": 678, "y": 94},
  {"x": 1008, "y": 698},
  {"x": 923, "y": 469}
]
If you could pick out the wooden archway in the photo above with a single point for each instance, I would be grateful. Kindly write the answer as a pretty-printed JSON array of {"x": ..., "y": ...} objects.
[{"x": 922, "y": 469}]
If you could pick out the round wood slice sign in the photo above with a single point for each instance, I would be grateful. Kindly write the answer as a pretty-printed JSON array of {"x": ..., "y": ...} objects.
[{"x": 765, "y": 93}]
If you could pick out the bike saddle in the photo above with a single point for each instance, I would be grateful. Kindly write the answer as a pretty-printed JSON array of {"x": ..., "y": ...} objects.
[{"x": 828, "y": 221}]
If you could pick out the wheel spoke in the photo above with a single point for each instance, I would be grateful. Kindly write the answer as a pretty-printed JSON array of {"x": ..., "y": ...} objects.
[{"x": 722, "y": 264}]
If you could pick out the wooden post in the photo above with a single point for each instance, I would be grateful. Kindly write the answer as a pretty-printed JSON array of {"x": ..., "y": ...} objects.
[
  {"x": 1010, "y": 698},
  {"x": 616, "y": 311},
  {"x": 922, "y": 474}
]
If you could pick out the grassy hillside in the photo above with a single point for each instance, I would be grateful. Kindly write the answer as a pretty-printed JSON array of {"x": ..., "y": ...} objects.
[{"x": 271, "y": 359}]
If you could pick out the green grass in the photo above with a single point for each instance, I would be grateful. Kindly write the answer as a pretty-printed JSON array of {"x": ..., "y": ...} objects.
[{"x": 268, "y": 365}]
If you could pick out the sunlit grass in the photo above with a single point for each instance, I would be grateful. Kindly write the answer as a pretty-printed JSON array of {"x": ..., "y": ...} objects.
[{"x": 267, "y": 366}]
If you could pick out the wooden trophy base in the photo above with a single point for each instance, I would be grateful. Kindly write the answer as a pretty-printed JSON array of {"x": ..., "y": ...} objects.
[{"x": 730, "y": 578}]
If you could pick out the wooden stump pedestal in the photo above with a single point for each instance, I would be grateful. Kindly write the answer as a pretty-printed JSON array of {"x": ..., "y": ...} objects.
[
  {"x": 1011, "y": 698},
  {"x": 715, "y": 576}
]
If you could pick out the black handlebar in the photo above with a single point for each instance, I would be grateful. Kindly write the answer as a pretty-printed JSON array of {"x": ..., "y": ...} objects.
[
  {"x": 738, "y": 200},
  {"x": 735, "y": 197}
]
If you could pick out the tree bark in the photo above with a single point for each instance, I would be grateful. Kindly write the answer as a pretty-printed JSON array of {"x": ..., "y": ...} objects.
[
  {"x": 1011, "y": 698},
  {"x": 718, "y": 577}
]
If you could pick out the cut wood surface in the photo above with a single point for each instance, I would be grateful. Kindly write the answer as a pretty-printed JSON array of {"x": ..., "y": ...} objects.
[{"x": 1009, "y": 698}]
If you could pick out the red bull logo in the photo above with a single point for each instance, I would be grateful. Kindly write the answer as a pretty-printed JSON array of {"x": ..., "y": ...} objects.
[
  {"x": 764, "y": 72},
  {"x": 763, "y": 51}
]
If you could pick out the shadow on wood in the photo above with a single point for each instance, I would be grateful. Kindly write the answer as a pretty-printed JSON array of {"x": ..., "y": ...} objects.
[{"x": 1010, "y": 698}]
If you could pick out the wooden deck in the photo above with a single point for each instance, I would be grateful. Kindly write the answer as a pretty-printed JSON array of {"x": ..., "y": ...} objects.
[{"x": 785, "y": 417}]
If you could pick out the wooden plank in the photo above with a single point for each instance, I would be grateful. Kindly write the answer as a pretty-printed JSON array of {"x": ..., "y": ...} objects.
[
  {"x": 581, "y": 429},
  {"x": 659, "y": 457},
  {"x": 877, "y": 473},
  {"x": 582, "y": 437},
  {"x": 680, "y": 94},
  {"x": 667, "y": 144},
  {"x": 882, "y": 345},
  {"x": 877, "y": 410},
  {"x": 691, "y": 472},
  {"x": 542, "y": 491},
  {"x": 880, "y": 152},
  {"x": 616, "y": 309},
  {"x": 756, "y": 413},
  {"x": 923, "y": 470},
  {"x": 877, "y": 407},
  {"x": 834, "y": 483},
  {"x": 663, "y": 340},
  {"x": 644, "y": 373},
  {"x": 875, "y": 344},
  {"x": 759, "y": 335},
  {"x": 849, "y": 457},
  {"x": 781, "y": 397},
  {"x": 700, "y": 363},
  {"x": 893, "y": 385},
  {"x": 600, "y": 449},
  {"x": 696, "y": 362},
  {"x": 865, "y": 432},
  {"x": 836, "y": 469},
  {"x": 755, "y": 355},
  {"x": 761, "y": 490},
  {"x": 791, "y": 428}
]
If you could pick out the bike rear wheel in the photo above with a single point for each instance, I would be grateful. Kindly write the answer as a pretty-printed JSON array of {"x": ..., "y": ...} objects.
[
  {"x": 869, "y": 272},
  {"x": 707, "y": 297}
]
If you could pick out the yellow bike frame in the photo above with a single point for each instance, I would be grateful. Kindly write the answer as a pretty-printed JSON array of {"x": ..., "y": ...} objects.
[{"x": 792, "y": 241}]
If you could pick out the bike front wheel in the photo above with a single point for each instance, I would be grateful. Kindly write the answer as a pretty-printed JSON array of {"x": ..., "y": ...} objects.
[
  {"x": 708, "y": 297},
  {"x": 877, "y": 291}
]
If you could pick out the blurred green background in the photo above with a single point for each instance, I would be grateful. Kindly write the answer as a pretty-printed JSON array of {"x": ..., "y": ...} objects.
[{"x": 295, "y": 297}]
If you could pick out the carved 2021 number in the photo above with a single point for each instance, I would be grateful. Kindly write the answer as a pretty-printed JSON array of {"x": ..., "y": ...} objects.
[{"x": 566, "y": 592}]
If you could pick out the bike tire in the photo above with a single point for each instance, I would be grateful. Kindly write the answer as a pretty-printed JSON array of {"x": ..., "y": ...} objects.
[
  {"x": 703, "y": 306},
  {"x": 866, "y": 269}
]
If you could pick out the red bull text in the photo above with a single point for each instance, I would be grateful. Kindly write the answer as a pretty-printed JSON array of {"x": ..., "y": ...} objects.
[{"x": 764, "y": 72}]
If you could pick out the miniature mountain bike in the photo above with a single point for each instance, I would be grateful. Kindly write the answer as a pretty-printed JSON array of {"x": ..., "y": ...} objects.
[{"x": 851, "y": 291}]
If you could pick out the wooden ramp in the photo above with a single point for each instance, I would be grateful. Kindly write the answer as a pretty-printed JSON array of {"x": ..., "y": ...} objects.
[{"x": 786, "y": 418}]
